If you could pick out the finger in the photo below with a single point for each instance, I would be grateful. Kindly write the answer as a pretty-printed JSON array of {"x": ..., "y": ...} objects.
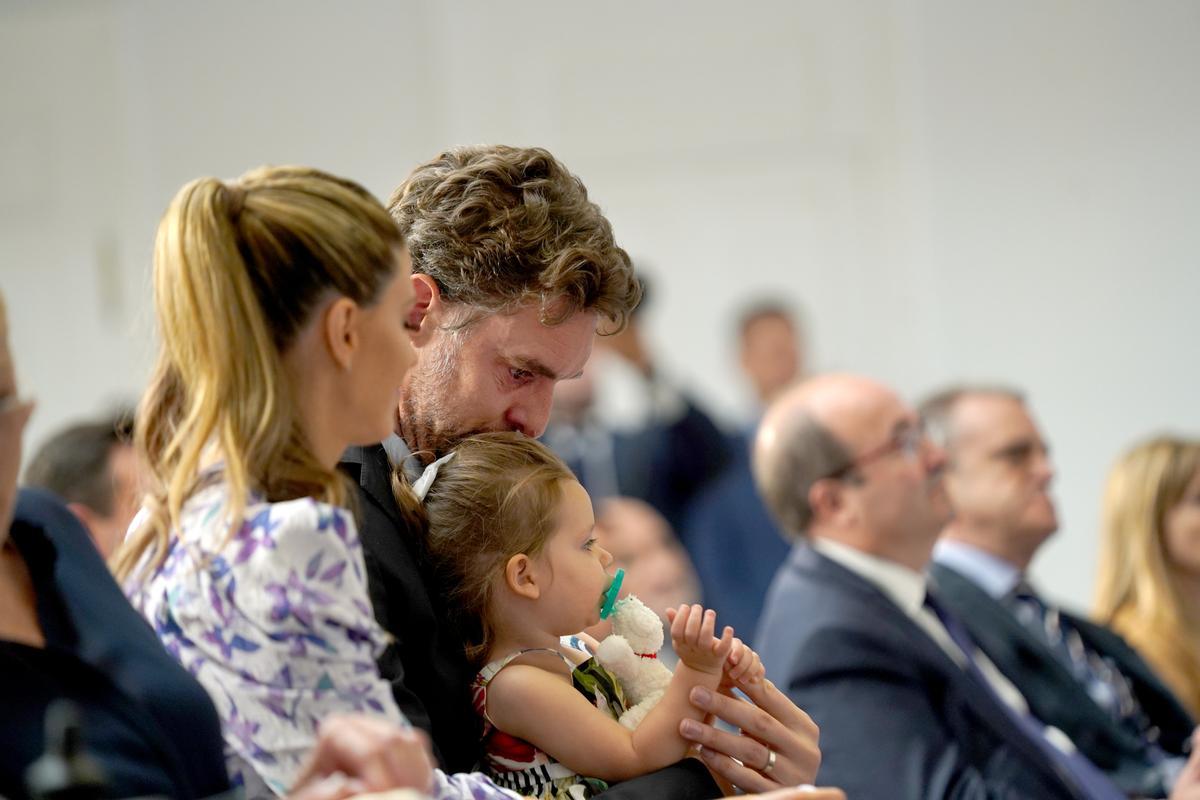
[
  {"x": 794, "y": 743},
  {"x": 767, "y": 697},
  {"x": 708, "y": 626},
  {"x": 752, "y": 670},
  {"x": 735, "y": 651},
  {"x": 695, "y": 618},
  {"x": 679, "y": 623},
  {"x": 408, "y": 759},
  {"x": 804, "y": 792},
  {"x": 740, "y": 647},
  {"x": 739, "y": 775},
  {"x": 721, "y": 646},
  {"x": 671, "y": 614},
  {"x": 1190, "y": 774},
  {"x": 332, "y": 787}
]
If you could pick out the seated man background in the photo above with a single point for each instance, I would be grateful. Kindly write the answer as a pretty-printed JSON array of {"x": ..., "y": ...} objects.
[
  {"x": 1078, "y": 676},
  {"x": 907, "y": 705},
  {"x": 93, "y": 468}
]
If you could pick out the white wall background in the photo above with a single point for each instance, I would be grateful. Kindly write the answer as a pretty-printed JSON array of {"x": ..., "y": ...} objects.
[{"x": 951, "y": 190}]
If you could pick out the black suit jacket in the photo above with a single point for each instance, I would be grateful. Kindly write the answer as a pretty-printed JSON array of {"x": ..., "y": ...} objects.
[
  {"x": 1057, "y": 698},
  {"x": 899, "y": 719},
  {"x": 425, "y": 662}
]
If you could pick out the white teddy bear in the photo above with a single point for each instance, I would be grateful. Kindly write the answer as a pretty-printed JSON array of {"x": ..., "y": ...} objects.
[{"x": 631, "y": 654}]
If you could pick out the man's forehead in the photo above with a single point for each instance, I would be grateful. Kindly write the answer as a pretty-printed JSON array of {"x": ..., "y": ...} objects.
[
  {"x": 561, "y": 349},
  {"x": 987, "y": 419}
]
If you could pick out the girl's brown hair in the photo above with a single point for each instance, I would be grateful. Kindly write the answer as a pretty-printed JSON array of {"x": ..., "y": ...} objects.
[
  {"x": 239, "y": 268},
  {"x": 496, "y": 497}
]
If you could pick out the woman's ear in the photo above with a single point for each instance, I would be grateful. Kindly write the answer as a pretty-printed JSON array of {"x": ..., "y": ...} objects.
[
  {"x": 427, "y": 308},
  {"x": 341, "y": 331},
  {"x": 521, "y": 577}
]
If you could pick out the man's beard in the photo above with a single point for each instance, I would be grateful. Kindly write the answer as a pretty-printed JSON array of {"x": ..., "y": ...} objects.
[{"x": 424, "y": 422}]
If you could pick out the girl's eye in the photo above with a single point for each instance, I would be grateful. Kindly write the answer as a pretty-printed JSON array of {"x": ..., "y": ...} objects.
[{"x": 588, "y": 544}]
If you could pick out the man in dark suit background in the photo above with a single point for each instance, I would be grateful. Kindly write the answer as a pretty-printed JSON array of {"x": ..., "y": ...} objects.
[
  {"x": 1077, "y": 676},
  {"x": 514, "y": 271},
  {"x": 908, "y": 706}
]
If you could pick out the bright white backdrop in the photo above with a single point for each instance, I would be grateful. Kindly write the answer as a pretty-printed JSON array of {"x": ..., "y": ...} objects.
[{"x": 951, "y": 190}]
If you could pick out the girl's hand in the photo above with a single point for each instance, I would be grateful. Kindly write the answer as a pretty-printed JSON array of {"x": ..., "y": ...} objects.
[
  {"x": 742, "y": 666},
  {"x": 692, "y": 630}
]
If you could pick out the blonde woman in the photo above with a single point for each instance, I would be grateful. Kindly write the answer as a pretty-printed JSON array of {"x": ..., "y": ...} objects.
[
  {"x": 281, "y": 300},
  {"x": 1148, "y": 588}
]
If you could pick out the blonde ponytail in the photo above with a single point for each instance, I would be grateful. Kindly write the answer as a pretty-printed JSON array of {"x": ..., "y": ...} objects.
[{"x": 238, "y": 269}]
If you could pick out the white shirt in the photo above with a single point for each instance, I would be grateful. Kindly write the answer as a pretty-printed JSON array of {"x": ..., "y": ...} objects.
[{"x": 991, "y": 573}]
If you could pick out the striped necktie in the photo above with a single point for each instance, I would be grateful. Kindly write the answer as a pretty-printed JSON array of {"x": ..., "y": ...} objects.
[{"x": 1087, "y": 778}]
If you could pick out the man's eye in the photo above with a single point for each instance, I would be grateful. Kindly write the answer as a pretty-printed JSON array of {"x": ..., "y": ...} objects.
[{"x": 520, "y": 374}]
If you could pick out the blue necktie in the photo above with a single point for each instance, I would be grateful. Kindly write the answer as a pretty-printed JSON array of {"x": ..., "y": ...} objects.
[{"x": 1093, "y": 783}]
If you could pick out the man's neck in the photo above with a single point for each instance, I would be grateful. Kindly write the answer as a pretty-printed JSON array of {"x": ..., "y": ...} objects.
[
  {"x": 994, "y": 543},
  {"x": 913, "y": 557}
]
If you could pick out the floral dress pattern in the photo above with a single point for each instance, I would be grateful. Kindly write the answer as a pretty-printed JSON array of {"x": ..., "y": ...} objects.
[
  {"x": 276, "y": 624},
  {"x": 521, "y": 766}
]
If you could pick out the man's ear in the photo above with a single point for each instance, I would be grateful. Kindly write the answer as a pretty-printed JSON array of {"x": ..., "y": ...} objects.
[
  {"x": 341, "y": 331},
  {"x": 825, "y": 498},
  {"x": 427, "y": 307},
  {"x": 521, "y": 577}
]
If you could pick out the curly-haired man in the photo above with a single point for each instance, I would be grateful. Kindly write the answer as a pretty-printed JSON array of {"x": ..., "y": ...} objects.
[{"x": 515, "y": 270}]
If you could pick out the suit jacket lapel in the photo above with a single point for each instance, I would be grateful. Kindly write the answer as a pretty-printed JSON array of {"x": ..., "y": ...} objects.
[
  {"x": 1053, "y": 692},
  {"x": 373, "y": 471},
  {"x": 970, "y": 686}
]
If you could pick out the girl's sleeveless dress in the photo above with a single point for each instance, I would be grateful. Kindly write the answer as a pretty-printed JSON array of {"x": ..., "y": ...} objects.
[{"x": 518, "y": 765}]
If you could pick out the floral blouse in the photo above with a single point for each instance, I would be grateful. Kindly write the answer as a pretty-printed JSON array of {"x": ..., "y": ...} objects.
[{"x": 276, "y": 624}]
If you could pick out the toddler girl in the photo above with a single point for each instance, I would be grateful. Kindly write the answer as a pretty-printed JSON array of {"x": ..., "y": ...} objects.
[{"x": 513, "y": 530}]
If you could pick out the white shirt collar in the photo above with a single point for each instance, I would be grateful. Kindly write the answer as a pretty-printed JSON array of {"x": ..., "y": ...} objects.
[
  {"x": 901, "y": 585},
  {"x": 994, "y": 575},
  {"x": 401, "y": 457}
]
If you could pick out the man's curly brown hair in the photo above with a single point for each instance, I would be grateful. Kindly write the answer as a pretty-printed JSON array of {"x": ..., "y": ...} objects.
[{"x": 498, "y": 227}]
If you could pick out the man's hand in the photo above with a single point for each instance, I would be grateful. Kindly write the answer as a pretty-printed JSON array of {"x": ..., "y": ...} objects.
[
  {"x": 805, "y": 792},
  {"x": 770, "y": 724},
  {"x": 356, "y": 753}
]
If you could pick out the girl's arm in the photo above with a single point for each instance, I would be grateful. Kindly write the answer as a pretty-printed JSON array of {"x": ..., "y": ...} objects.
[{"x": 537, "y": 705}]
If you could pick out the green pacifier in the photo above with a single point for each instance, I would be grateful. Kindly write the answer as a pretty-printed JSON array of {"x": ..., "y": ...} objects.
[{"x": 610, "y": 597}]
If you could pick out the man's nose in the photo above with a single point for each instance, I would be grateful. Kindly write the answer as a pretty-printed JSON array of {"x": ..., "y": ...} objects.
[
  {"x": 933, "y": 456},
  {"x": 531, "y": 412},
  {"x": 1043, "y": 468}
]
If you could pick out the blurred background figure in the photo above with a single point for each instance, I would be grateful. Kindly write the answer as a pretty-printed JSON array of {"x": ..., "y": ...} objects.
[
  {"x": 731, "y": 537},
  {"x": 92, "y": 466},
  {"x": 771, "y": 350},
  {"x": 657, "y": 568},
  {"x": 626, "y": 430},
  {"x": 1076, "y": 675},
  {"x": 1148, "y": 585}
]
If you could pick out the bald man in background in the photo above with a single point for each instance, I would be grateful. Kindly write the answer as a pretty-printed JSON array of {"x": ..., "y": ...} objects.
[{"x": 908, "y": 706}]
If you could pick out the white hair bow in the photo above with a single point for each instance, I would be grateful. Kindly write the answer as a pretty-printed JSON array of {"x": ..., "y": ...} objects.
[{"x": 421, "y": 487}]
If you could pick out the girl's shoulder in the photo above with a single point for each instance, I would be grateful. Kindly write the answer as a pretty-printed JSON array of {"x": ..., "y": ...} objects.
[{"x": 533, "y": 660}]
